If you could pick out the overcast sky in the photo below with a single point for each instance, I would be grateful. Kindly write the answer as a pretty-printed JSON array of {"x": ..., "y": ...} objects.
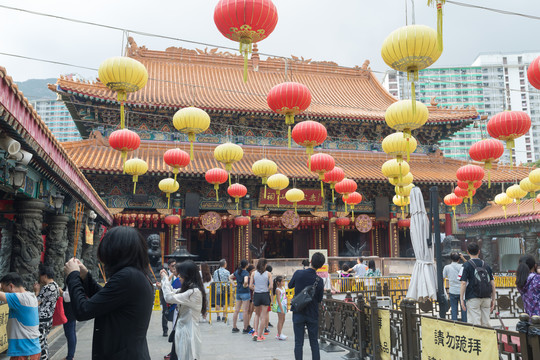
[{"x": 345, "y": 31}]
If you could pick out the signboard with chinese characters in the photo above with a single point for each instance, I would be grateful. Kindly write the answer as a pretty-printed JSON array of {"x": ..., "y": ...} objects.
[
  {"x": 384, "y": 333},
  {"x": 442, "y": 340},
  {"x": 211, "y": 221},
  {"x": 4, "y": 315},
  {"x": 312, "y": 198},
  {"x": 89, "y": 236}
]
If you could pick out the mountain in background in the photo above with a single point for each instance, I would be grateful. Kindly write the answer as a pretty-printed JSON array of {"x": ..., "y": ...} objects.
[{"x": 36, "y": 89}]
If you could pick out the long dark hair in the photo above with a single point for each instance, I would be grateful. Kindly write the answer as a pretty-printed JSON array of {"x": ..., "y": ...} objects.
[
  {"x": 371, "y": 264},
  {"x": 277, "y": 279},
  {"x": 191, "y": 279},
  {"x": 526, "y": 264},
  {"x": 261, "y": 265},
  {"x": 205, "y": 270},
  {"x": 121, "y": 247}
]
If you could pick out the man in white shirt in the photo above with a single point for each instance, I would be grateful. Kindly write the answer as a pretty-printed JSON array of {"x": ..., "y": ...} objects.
[
  {"x": 359, "y": 269},
  {"x": 452, "y": 272}
]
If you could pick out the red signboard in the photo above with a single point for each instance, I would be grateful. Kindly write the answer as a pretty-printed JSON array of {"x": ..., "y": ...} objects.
[{"x": 312, "y": 198}]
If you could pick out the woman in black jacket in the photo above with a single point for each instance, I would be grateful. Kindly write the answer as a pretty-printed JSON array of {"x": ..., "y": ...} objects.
[{"x": 122, "y": 308}]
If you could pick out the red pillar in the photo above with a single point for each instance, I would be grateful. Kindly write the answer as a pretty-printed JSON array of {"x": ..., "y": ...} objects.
[{"x": 448, "y": 224}]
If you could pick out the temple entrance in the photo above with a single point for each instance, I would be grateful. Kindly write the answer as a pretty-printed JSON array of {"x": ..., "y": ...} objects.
[
  {"x": 279, "y": 243},
  {"x": 206, "y": 244}
]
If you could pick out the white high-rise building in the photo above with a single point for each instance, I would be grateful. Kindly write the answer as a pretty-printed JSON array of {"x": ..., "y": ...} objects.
[
  {"x": 493, "y": 83},
  {"x": 57, "y": 117}
]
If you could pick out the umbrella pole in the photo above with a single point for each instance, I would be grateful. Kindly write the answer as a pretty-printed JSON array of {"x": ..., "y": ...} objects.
[{"x": 434, "y": 219}]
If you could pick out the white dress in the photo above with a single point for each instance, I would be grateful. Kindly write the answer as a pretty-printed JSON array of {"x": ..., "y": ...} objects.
[{"x": 187, "y": 338}]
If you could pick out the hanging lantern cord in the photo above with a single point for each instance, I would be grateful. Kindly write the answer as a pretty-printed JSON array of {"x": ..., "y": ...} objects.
[
  {"x": 245, "y": 50},
  {"x": 135, "y": 179},
  {"x": 191, "y": 138},
  {"x": 122, "y": 98}
]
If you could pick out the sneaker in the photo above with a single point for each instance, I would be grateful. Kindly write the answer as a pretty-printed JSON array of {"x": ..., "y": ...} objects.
[
  {"x": 270, "y": 325},
  {"x": 167, "y": 357},
  {"x": 235, "y": 330},
  {"x": 165, "y": 334},
  {"x": 259, "y": 338},
  {"x": 250, "y": 328},
  {"x": 224, "y": 319},
  {"x": 251, "y": 331},
  {"x": 218, "y": 318},
  {"x": 246, "y": 331},
  {"x": 282, "y": 337},
  {"x": 255, "y": 336},
  {"x": 266, "y": 331}
]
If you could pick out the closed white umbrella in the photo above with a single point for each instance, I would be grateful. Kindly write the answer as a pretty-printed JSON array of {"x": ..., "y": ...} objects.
[{"x": 424, "y": 277}]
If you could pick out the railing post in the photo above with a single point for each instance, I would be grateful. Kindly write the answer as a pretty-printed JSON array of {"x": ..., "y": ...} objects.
[
  {"x": 410, "y": 349},
  {"x": 533, "y": 338},
  {"x": 386, "y": 289},
  {"x": 375, "y": 340},
  {"x": 523, "y": 328},
  {"x": 378, "y": 288},
  {"x": 348, "y": 297},
  {"x": 361, "y": 304}
]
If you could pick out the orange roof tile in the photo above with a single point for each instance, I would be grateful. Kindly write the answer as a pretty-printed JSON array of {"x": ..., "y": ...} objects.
[
  {"x": 493, "y": 214},
  {"x": 213, "y": 81},
  {"x": 94, "y": 156},
  {"x": 25, "y": 121}
]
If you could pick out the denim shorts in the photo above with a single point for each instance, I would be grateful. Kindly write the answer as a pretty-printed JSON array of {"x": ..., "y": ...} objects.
[{"x": 243, "y": 297}]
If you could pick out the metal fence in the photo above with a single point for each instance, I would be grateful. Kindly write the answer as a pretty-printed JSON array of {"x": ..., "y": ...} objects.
[{"x": 354, "y": 326}]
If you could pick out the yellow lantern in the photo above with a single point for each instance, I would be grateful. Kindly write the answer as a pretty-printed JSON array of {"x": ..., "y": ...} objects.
[
  {"x": 401, "y": 202},
  {"x": 401, "y": 117},
  {"x": 528, "y": 186},
  {"x": 516, "y": 193},
  {"x": 122, "y": 75},
  {"x": 169, "y": 186},
  {"x": 395, "y": 170},
  {"x": 398, "y": 145},
  {"x": 264, "y": 168},
  {"x": 404, "y": 181},
  {"x": 503, "y": 200},
  {"x": 135, "y": 167},
  {"x": 404, "y": 191},
  {"x": 410, "y": 49},
  {"x": 191, "y": 121},
  {"x": 278, "y": 182},
  {"x": 228, "y": 154},
  {"x": 534, "y": 176},
  {"x": 295, "y": 196}
]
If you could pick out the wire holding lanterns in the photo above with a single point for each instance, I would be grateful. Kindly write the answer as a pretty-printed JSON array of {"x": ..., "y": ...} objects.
[
  {"x": 264, "y": 168},
  {"x": 176, "y": 158},
  {"x": 216, "y": 176},
  {"x": 123, "y": 75},
  {"x": 228, "y": 154},
  {"x": 246, "y": 22},
  {"x": 289, "y": 99},
  {"x": 237, "y": 191},
  {"x": 333, "y": 177},
  {"x": 135, "y": 167},
  {"x": 321, "y": 164},
  {"x": 191, "y": 121},
  {"x": 278, "y": 182},
  {"x": 169, "y": 186}
]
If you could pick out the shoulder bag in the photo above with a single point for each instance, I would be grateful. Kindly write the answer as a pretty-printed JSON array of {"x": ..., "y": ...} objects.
[{"x": 302, "y": 299}]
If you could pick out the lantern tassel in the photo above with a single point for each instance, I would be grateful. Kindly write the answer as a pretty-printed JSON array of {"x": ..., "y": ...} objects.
[
  {"x": 236, "y": 201},
  {"x": 289, "y": 136},
  {"x": 277, "y": 194},
  {"x": 352, "y": 208},
  {"x": 229, "y": 179},
  {"x": 216, "y": 188},
  {"x": 454, "y": 210},
  {"x": 346, "y": 211},
  {"x": 402, "y": 213},
  {"x": 413, "y": 97},
  {"x": 191, "y": 138},
  {"x": 322, "y": 190},
  {"x": 333, "y": 197},
  {"x": 124, "y": 158},
  {"x": 135, "y": 178},
  {"x": 121, "y": 98},
  {"x": 510, "y": 146},
  {"x": 440, "y": 24},
  {"x": 265, "y": 191},
  {"x": 245, "y": 50},
  {"x": 519, "y": 212},
  {"x": 295, "y": 210},
  {"x": 168, "y": 201},
  {"x": 504, "y": 209}
]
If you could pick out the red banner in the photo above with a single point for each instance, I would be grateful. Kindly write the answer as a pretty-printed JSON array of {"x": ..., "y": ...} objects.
[{"x": 312, "y": 198}]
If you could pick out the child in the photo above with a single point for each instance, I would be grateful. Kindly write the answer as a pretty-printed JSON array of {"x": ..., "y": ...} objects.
[{"x": 280, "y": 299}]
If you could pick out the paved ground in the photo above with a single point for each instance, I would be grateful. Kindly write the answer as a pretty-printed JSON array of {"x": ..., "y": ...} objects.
[{"x": 218, "y": 343}]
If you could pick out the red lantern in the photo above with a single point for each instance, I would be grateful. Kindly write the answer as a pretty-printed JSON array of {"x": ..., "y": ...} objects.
[
  {"x": 321, "y": 164},
  {"x": 507, "y": 126},
  {"x": 470, "y": 174},
  {"x": 216, "y": 176},
  {"x": 246, "y": 22},
  {"x": 309, "y": 134},
  {"x": 176, "y": 159},
  {"x": 538, "y": 198},
  {"x": 237, "y": 191},
  {"x": 486, "y": 151},
  {"x": 460, "y": 192},
  {"x": 241, "y": 221},
  {"x": 352, "y": 199},
  {"x": 453, "y": 200},
  {"x": 333, "y": 177},
  {"x": 289, "y": 99},
  {"x": 343, "y": 221},
  {"x": 533, "y": 73},
  {"x": 124, "y": 140},
  {"x": 172, "y": 220},
  {"x": 404, "y": 223},
  {"x": 345, "y": 187}
]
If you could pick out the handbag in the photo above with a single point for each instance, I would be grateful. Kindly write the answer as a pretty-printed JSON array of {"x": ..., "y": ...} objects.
[
  {"x": 304, "y": 297},
  {"x": 59, "y": 318},
  {"x": 173, "y": 332},
  {"x": 275, "y": 306}
]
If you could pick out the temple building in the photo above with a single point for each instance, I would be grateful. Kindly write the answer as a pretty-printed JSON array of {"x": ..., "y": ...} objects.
[
  {"x": 350, "y": 102},
  {"x": 49, "y": 212}
]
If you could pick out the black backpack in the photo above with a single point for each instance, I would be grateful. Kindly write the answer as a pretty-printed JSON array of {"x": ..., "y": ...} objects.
[
  {"x": 302, "y": 299},
  {"x": 481, "y": 280}
]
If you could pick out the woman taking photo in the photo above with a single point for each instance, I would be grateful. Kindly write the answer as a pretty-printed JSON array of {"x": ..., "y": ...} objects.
[
  {"x": 192, "y": 303},
  {"x": 261, "y": 284},
  {"x": 122, "y": 308},
  {"x": 528, "y": 284}
]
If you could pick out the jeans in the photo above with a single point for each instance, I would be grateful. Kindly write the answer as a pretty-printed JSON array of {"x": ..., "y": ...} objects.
[
  {"x": 70, "y": 331},
  {"x": 312, "y": 325},
  {"x": 455, "y": 306}
]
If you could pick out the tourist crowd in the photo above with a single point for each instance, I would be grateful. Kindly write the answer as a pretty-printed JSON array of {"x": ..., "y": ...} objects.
[{"x": 122, "y": 308}]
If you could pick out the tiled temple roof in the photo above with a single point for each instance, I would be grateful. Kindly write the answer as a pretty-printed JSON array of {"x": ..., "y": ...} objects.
[
  {"x": 94, "y": 155},
  {"x": 493, "y": 215},
  {"x": 213, "y": 81}
]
